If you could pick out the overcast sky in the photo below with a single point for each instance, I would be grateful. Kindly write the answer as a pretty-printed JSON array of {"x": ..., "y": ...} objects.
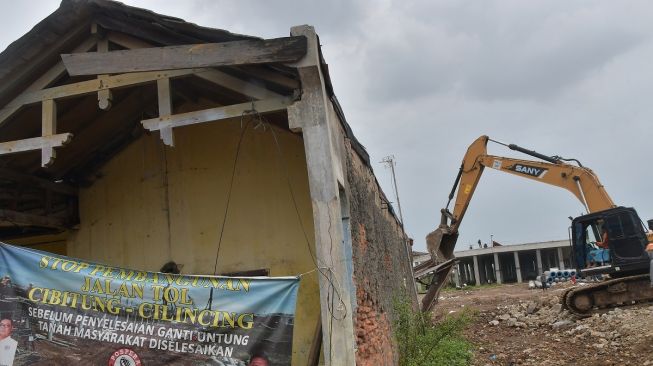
[{"x": 422, "y": 79}]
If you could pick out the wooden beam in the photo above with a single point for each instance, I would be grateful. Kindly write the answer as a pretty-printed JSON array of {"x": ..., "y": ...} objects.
[
  {"x": 217, "y": 77},
  {"x": 26, "y": 219},
  {"x": 45, "y": 80},
  {"x": 104, "y": 128},
  {"x": 104, "y": 96},
  {"x": 272, "y": 76},
  {"x": 35, "y": 143},
  {"x": 288, "y": 49},
  {"x": 124, "y": 40},
  {"x": 165, "y": 109},
  {"x": 238, "y": 85},
  {"x": 87, "y": 87},
  {"x": 13, "y": 83},
  {"x": 59, "y": 70},
  {"x": 30, "y": 180},
  {"x": 48, "y": 128},
  {"x": 215, "y": 114}
]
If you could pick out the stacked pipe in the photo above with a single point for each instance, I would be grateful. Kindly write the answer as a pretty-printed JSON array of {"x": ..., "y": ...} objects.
[{"x": 558, "y": 275}]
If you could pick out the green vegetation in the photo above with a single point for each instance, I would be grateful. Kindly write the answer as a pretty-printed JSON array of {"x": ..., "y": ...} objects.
[{"x": 422, "y": 343}]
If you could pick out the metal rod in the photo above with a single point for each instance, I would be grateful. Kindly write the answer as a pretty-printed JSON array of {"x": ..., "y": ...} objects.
[{"x": 389, "y": 161}]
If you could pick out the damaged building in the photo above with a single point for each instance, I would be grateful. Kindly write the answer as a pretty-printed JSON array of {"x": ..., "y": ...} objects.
[{"x": 134, "y": 139}]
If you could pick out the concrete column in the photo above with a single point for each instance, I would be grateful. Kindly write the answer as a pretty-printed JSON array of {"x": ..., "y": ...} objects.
[
  {"x": 561, "y": 259},
  {"x": 456, "y": 275},
  {"x": 311, "y": 116},
  {"x": 517, "y": 267},
  {"x": 497, "y": 267},
  {"x": 539, "y": 262},
  {"x": 477, "y": 275}
]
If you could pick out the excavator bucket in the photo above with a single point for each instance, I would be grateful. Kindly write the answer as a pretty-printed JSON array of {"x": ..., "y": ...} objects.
[{"x": 440, "y": 244}]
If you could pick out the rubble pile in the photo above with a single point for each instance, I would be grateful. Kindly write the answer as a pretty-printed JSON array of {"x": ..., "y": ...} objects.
[
  {"x": 518, "y": 327},
  {"x": 603, "y": 332},
  {"x": 533, "y": 314}
]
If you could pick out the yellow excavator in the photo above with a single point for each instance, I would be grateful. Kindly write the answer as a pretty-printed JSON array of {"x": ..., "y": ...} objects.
[{"x": 623, "y": 257}]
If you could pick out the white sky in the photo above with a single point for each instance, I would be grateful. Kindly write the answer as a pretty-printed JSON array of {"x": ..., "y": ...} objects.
[{"x": 422, "y": 79}]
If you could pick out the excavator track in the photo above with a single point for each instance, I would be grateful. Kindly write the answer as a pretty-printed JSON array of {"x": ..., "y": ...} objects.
[{"x": 583, "y": 300}]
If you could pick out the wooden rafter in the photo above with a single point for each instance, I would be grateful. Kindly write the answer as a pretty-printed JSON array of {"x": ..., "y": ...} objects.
[
  {"x": 48, "y": 129},
  {"x": 35, "y": 143},
  {"x": 107, "y": 128},
  {"x": 88, "y": 87},
  {"x": 29, "y": 180},
  {"x": 282, "y": 50},
  {"x": 27, "y": 219},
  {"x": 44, "y": 58},
  {"x": 238, "y": 85},
  {"x": 165, "y": 109},
  {"x": 104, "y": 97},
  {"x": 214, "y": 76},
  {"x": 59, "y": 70},
  {"x": 215, "y": 114}
]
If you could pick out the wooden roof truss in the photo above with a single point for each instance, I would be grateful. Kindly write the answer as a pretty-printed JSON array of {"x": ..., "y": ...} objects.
[{"x": 94, "y": 68}]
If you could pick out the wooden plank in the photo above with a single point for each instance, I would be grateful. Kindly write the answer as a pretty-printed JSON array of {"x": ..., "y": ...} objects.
[
  {"x": 30, "y": 180},
  {"x": 49, "y": 77},
  {"x": 218, "y": 77},
  {"x": 287, "y": 49},
  {"x": 271, "y": 76},
  {"x": 26, "y": 219},
  {"x": 126, "y": 41},
  {"x": 87, "y": 87},
  {"x": 105, "y": 128},
  {"x": 35, "y": 143},
  {"x": 104, "y": 96},
  {"x": 215, "y": 114},
  {"x": 15, "y": 81},
  {"x": 59, "y": 70},
  {"x": 165, "y": 109},
  {"x": 238, "y": 85},
  {"x": 48, "y": 128}
]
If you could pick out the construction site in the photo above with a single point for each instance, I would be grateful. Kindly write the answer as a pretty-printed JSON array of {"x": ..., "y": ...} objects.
[{"x": 212, "y": 191}]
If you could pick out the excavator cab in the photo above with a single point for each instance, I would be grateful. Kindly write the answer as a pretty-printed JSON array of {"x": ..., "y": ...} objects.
[{"x": 623, "y": 254}]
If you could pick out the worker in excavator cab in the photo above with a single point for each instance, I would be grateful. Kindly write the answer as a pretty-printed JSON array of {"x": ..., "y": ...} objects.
[
  {"x": 605, "y": 241},
  {"x": 598, "y": 252}
]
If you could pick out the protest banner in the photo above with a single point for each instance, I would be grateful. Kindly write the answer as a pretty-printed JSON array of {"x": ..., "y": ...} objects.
[{"x": 56, "y": 310}]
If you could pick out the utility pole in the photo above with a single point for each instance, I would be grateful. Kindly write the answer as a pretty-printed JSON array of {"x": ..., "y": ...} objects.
[{"x": 389, "y": 161}]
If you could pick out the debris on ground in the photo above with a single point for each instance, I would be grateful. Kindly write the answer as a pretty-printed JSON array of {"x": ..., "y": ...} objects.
[{"x": 515, "y": 326}]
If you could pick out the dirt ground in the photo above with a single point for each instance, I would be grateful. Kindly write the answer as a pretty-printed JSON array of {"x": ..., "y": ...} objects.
[{"x": 518, "y": 326}]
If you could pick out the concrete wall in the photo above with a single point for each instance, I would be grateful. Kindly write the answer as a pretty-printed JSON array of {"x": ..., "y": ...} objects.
[
  {"x": 381, "y": 266},
  {"x": 154, "y": 204}
]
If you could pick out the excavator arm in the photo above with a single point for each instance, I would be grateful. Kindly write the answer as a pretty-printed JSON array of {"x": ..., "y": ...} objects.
[{"x": 578, "y": 180}]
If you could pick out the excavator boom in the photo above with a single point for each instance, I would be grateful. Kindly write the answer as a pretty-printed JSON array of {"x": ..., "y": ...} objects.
[{"x": 556, "y": 171}]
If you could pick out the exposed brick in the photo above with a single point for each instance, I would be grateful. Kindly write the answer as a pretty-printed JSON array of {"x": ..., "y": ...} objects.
[{"x": 381, "y": 266}]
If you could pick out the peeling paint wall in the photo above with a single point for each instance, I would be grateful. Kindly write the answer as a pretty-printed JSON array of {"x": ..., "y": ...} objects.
[{"x": 382, "y": 269}]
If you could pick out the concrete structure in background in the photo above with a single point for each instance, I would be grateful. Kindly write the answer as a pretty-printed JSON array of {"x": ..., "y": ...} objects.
[{"x": 507, "y": 263}]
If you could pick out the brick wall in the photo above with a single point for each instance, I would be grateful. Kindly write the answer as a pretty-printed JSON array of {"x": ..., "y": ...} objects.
[{"x": 381, "y": 265}]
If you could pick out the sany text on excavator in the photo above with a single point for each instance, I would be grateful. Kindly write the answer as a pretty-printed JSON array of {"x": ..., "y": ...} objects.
[{"x": 623, "y": 257}]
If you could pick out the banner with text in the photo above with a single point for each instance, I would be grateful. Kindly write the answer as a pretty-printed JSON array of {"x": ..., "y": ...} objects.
[{"x": 57, "y": 310}]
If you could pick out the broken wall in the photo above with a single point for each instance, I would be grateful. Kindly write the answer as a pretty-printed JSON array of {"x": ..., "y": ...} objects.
[{"x": 381, "y": 264}]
